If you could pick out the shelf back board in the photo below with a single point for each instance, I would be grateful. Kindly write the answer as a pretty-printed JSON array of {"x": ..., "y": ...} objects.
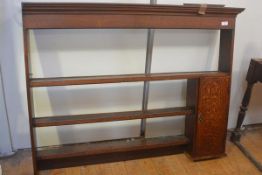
[{"x": 99, "y": 15}]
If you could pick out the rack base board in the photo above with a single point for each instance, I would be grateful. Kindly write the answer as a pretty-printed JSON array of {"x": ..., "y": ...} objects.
[
  {"x": 109, "y": 151},
  {"x": 110, "y": 157}
]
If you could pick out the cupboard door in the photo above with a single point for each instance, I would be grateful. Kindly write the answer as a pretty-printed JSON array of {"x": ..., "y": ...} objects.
[{"x": 212, "y": 117}]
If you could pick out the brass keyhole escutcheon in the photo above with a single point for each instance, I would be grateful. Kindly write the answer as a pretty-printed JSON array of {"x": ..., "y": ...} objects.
[{"x": 200, "y": 118}]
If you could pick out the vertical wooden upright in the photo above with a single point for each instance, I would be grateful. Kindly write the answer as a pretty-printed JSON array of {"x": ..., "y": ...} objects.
[
  {"x": 226, "y": 50},
  {"x": 29, "y": 97}
]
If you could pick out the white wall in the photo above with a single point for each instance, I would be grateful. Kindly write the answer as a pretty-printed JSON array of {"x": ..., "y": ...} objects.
[
  {"x": 5, "y": 136},
  {"x": 54, "y": 53},
  {"x": 5, "y": 143}
]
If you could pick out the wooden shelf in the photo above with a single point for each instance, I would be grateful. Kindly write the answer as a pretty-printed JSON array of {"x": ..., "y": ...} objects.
[
  {"x": 67, "y": 81},
  {"x": 103, "y": 147},
  {"x": 108, "y": 117}
]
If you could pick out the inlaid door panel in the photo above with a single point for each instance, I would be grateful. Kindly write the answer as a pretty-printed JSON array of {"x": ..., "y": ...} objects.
[{"x": 212, "y": 116}]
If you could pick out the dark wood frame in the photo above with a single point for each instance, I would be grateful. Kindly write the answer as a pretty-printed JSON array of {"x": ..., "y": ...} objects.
[{"x": 137, "y": 16}]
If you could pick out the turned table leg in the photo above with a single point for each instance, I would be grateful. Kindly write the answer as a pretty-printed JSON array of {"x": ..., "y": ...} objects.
[
  {"x": 236, "y": 135},
  {"x": 241, "y": 115},
  {"x": 254, "y": 75}
]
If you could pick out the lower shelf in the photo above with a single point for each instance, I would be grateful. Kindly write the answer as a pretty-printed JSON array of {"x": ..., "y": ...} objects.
[
  {"x": 105, "y": 151},
  {"x": 109, "y": 117},
  {"x": 122, "y": 145}
]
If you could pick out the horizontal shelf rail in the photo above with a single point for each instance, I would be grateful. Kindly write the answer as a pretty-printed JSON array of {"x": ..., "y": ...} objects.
[
  {"x": 67, "y": 81},
  {"x": 104, "y": 147},
  {"x": 109, "y": 117}
]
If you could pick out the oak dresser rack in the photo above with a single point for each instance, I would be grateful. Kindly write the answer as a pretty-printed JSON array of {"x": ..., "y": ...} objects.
[{"x": 208, "y": 92}]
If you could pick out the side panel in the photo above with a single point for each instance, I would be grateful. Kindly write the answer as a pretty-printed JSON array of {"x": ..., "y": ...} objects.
[{"x": 191, "y": 120}]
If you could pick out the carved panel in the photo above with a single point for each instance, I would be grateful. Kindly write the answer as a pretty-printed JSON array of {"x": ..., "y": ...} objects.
[{"x": 212, "y": 116}]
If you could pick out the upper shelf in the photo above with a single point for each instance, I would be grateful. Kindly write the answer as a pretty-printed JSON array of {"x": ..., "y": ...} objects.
[
  {"x": 67, "y": 81},
  {"x": 100, "y": 15}
]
